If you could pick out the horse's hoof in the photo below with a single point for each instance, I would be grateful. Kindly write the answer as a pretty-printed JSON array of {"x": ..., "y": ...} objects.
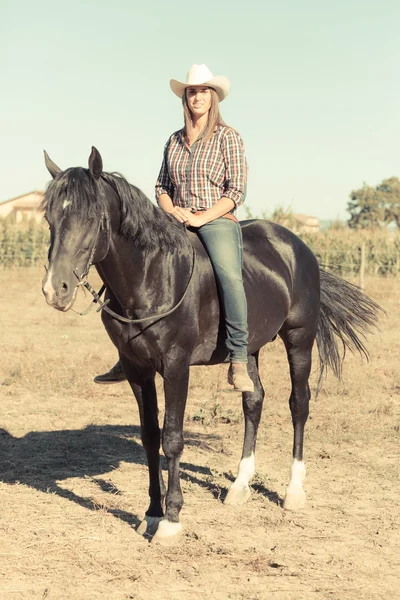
[
  {"x": 148, "y": 526},
  {"x": 168, "y": 533},
  {"x": 237, "y": 495},
  {"x": 294, "y": 500}
]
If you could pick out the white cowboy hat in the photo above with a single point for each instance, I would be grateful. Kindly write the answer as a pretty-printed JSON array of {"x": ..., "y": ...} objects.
[{"x": 201, "y": 75}]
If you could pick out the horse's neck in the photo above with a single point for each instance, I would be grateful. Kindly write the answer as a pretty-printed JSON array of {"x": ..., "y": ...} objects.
[{"x": 140, "y": 281}]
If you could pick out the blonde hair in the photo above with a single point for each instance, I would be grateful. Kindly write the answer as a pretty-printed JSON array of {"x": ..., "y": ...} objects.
[{"x": 214, "y": 117}]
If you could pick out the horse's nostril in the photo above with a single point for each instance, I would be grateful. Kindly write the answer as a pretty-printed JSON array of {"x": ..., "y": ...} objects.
[{"x": 64, "y": 288}]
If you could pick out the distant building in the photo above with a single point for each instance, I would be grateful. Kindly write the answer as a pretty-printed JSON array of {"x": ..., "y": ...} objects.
[
  {"x": 298, "y": 223},
  {"x": 25, "y": 207},
  {"x": 306, "y": 223}
]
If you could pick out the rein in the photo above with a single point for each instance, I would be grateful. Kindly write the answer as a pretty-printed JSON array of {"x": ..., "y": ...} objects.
[{"x": 83, "y": 282}]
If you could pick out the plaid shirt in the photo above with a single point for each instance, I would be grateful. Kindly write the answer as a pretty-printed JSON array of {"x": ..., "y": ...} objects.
[{"x": 199, "y": 176}]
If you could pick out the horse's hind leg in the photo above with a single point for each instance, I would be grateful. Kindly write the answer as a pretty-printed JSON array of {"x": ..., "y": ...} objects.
[
  {"x": 239, "y": 491},
  {"x": 299, "y": 343}
]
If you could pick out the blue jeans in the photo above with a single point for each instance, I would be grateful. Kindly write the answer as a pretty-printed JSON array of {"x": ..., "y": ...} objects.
[{"x": 222, "y": 238}]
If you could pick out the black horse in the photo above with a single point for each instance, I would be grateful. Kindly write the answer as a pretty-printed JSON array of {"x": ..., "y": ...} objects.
[{"x": 162, "y": 291}]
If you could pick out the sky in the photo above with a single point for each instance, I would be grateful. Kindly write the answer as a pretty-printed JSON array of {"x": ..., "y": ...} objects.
[{"x": 315, "y": 91}]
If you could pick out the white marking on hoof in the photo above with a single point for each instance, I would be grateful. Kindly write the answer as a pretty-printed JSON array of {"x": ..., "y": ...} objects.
[
  {"x": 295, "y": 501},
  {"x": 239, "y": 491},
  {"x": 295, "y": 497},
  {"x": 246, "y": 471},
  {"x": 148, "y": 526},
  {"x": 237, "y": 496},
  {"x": 168, "y": 533}
]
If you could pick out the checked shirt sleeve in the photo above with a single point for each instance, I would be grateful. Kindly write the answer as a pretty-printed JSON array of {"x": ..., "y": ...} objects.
[
  {"x": 164, "y": 184},
  {"x": 235, "y": 167}
]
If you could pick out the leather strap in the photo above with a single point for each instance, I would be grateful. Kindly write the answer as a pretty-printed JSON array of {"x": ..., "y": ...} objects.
[
  {"x": 231, "y": 217},
  {"x": 227, "y": 216}
]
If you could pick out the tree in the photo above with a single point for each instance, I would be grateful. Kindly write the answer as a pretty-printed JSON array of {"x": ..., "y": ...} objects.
[
  {"x": 365, "y": 208},
  {"x": 378, "y": 206},
  {"x": 390, "y": 191}
]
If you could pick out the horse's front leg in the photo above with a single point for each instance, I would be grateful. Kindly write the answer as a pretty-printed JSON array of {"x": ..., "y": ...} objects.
[
  {"x": 144, "y": 389},
  {"x": 176, "y": 382}
]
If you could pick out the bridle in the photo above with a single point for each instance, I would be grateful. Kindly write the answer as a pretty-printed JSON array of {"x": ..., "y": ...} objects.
[
  {"x": 82, "y": 279},
  {"x": 83, "y": 282}
]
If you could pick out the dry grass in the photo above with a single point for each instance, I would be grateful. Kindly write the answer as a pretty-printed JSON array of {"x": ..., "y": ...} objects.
[{"x": 74, "y": 480}]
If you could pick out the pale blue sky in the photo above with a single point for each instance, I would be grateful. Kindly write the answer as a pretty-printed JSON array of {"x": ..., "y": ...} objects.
[{"x": 315, "y": 90}]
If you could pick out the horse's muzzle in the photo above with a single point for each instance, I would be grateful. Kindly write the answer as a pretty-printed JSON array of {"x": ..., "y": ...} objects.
[{"x": 58, "y": 293}]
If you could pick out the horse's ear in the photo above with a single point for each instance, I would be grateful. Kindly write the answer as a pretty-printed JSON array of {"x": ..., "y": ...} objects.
[
  {"x": 51, "y": 167},
  {"x": 95, "y": 163}
]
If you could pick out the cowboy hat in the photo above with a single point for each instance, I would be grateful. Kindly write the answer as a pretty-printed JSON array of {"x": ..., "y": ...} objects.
[{"x": 201, "y": 75}]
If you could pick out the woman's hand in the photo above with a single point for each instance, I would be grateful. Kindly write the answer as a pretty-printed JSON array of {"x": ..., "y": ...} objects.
[
  {"x": 181, "y": 214},
  {"x": 184, "y": 215},
  {"x": 196, "y": 220}
]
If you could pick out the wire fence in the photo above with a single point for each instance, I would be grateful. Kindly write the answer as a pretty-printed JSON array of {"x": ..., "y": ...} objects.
[
  {"x": 372, "y": 253},
  {"x": 23, "y": 245}
]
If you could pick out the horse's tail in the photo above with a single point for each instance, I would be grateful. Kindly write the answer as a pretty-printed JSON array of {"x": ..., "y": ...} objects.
[{"x": 347, "y": 316}]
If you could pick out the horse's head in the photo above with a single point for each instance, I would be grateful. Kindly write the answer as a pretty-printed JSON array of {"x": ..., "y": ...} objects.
[{"x": 75, "y": 210}]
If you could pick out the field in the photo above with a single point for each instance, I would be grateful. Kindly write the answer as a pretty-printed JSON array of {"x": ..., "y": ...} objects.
[{"x": 73, "y": 479}]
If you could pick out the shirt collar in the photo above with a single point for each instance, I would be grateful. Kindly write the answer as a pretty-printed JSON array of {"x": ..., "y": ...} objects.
[{"x": 181, "y": 132}]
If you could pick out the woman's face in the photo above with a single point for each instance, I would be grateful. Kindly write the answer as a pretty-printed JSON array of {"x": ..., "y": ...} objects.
[{"x": 198, "y": 99}]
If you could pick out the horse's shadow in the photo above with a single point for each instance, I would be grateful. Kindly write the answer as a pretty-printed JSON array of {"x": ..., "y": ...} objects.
[{"x": 40, "y": 459}]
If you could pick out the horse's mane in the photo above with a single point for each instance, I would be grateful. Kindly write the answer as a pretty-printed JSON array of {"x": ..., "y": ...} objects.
[
  {"x": 148, "y": 226},
  {"x": 79, "y": 188}
]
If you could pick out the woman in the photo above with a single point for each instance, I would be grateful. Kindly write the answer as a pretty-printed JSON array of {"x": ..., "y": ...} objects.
[{"x": 201, "y": 183}]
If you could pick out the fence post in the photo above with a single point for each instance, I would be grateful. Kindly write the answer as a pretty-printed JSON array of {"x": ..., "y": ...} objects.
[{"x": 362, "y": 265}]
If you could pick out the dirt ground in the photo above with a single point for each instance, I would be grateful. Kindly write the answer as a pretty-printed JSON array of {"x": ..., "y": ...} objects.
[{"x": 73, "y": 479}]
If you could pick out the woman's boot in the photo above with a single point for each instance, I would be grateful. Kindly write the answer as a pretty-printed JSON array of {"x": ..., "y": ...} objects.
[
  {"x": 114, "y": 375},
  {"x": 239, "y": 377}
]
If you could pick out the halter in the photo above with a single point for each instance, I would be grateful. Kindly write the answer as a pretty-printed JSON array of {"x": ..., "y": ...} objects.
[
  {"x": 82, "y": 279},
  {"x": 83, "y": 282}
]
